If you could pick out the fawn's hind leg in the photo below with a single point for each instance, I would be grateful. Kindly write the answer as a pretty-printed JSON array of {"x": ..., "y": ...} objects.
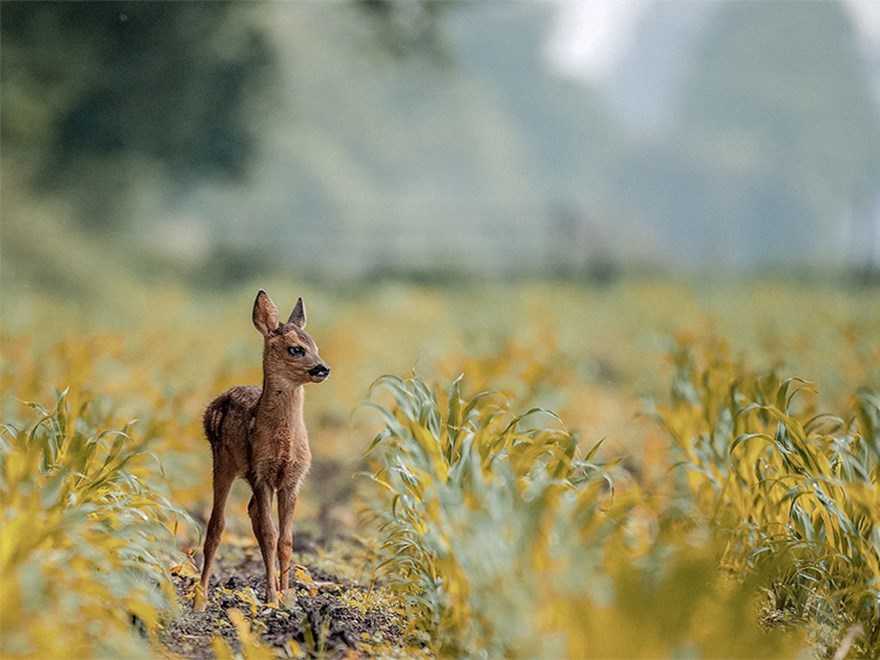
[
  {"x": 222, "y": 484},
  {"x": 286, "y": 505},
  {"x": 260, "y": 511}
]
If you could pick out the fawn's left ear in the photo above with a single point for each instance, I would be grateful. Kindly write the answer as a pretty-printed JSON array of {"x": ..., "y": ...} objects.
[
  {"x": 298, "y": 315},
  {"x": 265, "y": 314}
]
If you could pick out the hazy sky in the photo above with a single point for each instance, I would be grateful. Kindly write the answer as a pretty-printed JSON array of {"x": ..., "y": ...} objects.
[{"x": 590, "y": 35}]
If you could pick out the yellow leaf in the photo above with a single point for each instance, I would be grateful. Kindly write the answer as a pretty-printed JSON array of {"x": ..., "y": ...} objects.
[
  {"x": 221, "y": 648},
  {"x": 186, "y": 570},
  {"x": 251, "y": 647},
  {"x": 301, "y": 574}
]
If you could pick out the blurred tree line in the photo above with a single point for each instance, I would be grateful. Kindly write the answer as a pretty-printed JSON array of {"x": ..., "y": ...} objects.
[
  {"x": 344, "y": 116},
  {"x": 772, "y": 140},
  {"x": 90, "y": 87},
  {"x": 97, "y": 93}
]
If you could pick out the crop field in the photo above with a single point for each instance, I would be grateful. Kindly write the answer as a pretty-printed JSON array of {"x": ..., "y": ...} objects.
[{"x": 650, "y": 468}]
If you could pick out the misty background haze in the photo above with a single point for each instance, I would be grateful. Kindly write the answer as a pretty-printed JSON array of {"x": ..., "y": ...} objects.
[{"x": 355, "y": 139}]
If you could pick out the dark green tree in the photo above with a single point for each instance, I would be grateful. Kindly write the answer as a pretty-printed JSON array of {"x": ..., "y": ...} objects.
[{"x": 89, "y": 86}]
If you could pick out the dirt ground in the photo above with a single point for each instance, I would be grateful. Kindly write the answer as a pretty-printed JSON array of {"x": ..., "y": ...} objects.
[
  {"x": 332, "y": 610},
  {"x": 329, "y": 615}
]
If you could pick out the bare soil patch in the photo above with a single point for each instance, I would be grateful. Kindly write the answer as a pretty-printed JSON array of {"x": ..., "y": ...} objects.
[
  {"x": 336, "y": 610},
  {"x": 330, "y": 616}
]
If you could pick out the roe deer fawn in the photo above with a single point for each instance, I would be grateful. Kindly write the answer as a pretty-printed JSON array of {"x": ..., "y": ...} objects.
[{"x": 259, "y": 434}]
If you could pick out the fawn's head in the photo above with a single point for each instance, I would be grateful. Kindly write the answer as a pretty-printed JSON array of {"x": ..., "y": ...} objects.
[{"x": 289, "y": 354}]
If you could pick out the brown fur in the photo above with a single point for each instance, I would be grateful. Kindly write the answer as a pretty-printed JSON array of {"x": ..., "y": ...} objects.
[{"x": 258, "y": 434}]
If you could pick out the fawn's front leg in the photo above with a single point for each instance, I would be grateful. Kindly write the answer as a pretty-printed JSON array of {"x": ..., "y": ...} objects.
[
  {"x": 260, "y": 511},
  {"x": 286, "y": 505}
]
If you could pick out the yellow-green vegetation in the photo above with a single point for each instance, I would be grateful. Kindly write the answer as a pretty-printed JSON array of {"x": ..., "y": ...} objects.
[
  {"x": 87, "y": 544},
  {"x": 788, "y": 487},
  {"x": 504, "y": 537},
  {"x": 727, "y": 518}
]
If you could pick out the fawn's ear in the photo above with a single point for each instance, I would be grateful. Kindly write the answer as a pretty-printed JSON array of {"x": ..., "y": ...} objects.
[
  {"x": 265, "y": 313},
  {"x": 298, "y": 315}
]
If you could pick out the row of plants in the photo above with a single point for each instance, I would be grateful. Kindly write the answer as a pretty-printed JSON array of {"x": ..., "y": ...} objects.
[
  {"x": 794, "y": 492},
  {"x": 759, "y": 538},
  {"x": 88, "y": 540}
]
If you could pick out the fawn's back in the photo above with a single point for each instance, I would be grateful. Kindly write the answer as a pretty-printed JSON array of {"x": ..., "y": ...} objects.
[{"x": 227, "y": 421}]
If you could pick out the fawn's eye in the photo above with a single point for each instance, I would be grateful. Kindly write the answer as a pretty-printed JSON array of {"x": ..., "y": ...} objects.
[{"x": 296, "y": 351}]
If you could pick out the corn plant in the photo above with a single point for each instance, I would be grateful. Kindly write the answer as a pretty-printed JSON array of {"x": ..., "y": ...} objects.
[
  {"x": 87, "y": 540},
  {"x": 788, "y": 487}
]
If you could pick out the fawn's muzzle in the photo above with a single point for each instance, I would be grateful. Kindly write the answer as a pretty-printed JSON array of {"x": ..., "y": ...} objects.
[{"x": 319, "y": 372}]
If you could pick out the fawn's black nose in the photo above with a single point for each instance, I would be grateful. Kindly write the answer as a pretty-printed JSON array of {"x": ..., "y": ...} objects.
[{"x": 319, "y": 372}]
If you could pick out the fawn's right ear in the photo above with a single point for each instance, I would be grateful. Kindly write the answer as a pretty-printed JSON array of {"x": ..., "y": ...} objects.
[{"x": 265, "y": 314}]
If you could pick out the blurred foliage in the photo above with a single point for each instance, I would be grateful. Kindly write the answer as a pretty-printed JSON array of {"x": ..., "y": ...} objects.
[
  {"x": 145, "y": 376},
  {"x": 104, "y": 91},
  {"x": 771, "y": 141},
  {"x": 106, "y": 98},
  {"x": 346, "y": 160},
  {"x": 160, "y": 354},
  {"x": 88, "y": 541},
  {"x": 789, "y": 487},
  {"x": 407, "y": 27},
  {"x": 504, "y": 538},
  {"x": 507, "y": 540}
]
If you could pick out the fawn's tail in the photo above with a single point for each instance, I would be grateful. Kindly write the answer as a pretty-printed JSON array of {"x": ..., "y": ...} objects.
[{"x": 212, "y": 420}]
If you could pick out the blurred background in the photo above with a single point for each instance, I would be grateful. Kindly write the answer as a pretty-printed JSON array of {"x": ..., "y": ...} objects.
[{"x": 214, "y": 143}]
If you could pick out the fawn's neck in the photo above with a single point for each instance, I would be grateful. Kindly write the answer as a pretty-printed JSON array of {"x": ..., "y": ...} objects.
[{"x": 281, "y": 405}]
